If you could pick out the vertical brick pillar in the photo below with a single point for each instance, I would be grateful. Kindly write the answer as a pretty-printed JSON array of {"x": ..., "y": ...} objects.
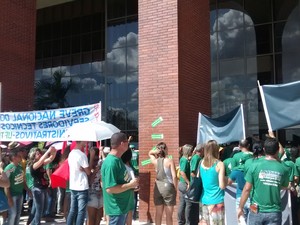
[
  {"x": 17, "y": 53},
  {"x": 174, "y": 81}
]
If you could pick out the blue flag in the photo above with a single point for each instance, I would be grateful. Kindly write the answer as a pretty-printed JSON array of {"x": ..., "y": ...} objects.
[
  {"x": 281, "y": 104},
  {"x": 227, "y": 128}
]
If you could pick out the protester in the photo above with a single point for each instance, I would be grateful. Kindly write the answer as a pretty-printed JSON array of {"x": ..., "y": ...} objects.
[
  {"x": 95, "y": 203},
  {"x": 165, "y": 183},
  {"x": 4, "y": 183},
  {"x": 79, "y": 170},
  {"x": 212, "y": 172},
  {"x": 258, "y": 154},
  {"x": 51, "y": 192},
  {"x": 265, "y": 179},
  {"x": 14, "y": 193},
  {"x": 237, "y": 176},
  {"x": 117, "y": 186},
  {"x": 37, "y": 160},
  {"x": 135, "y": 164},
  {"x": 67, "y": 194},
  {"x": 126, "y": 158},
  {"x": 184, "y": 182},
  {"x": 244, "y": 154}
]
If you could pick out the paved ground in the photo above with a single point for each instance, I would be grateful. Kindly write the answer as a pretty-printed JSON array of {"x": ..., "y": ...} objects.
[{"x": 60, "y": 220}]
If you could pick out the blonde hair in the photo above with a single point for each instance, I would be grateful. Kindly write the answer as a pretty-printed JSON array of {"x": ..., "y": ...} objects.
[
  {"x": 211, "y": 153},
  {"x": 187, "y": 150}
]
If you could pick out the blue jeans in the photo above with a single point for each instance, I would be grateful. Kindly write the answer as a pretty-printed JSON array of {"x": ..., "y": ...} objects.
[
  {"x": 51, "y": 201},
  {"x": 261, "y": 218},
  {"x": 14, "y": 213},
  {"x": 79, "y": 201},
  {"x": 117, "y": 220},
  {"x": 182, "y": 203},
  {"x": 39, "y": 197}
]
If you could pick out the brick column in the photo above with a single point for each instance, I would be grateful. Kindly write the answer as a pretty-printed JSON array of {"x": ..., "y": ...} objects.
[
  {"x": 17, "y": 53},
  {"x": 174, "y": 80}
]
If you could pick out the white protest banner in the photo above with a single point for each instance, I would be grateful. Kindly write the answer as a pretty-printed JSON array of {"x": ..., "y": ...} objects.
[{"x": 45, "y": 125}]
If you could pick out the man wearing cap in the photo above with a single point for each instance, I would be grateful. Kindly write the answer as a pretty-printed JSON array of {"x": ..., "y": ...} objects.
[{"x": 117, "y": 185}]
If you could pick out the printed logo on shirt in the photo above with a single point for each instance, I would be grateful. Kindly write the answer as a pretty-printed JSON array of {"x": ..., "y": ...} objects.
[{"x": 270, "y": 178}]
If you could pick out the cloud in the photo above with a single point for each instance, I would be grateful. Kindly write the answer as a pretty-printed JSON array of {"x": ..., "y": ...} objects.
[
  {"x": 117, "y": 57},
  {"x": 228, "y": 34}
]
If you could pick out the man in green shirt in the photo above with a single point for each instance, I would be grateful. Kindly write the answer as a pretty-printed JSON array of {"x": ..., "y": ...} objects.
[
  {"x": 117, "y": 186},
  {"x": 14, "y": 193},
  {"x": 266, "y": 178},
  {"x": 184, "y": 183}
]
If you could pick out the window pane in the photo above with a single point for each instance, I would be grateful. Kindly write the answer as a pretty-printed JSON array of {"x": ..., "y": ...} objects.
[
  {"x": 116, "y": 34},
  {"x": 259, "y": 11},
  {"x": 132, "y": 58},
  {"x": 231, "y": 43},
  {"x": 115, "y": 8},
  {"x": 264, "y": 39}
]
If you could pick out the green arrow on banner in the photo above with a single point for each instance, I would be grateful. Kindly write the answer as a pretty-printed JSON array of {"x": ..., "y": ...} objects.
[
  {"x": 157, "y": 121},
  {"x": 157, "y": 136}
]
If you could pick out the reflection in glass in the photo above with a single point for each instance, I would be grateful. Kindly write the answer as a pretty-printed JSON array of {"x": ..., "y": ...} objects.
[
  {"x": 116, "y": 61},
  {"x": 291, "y": 47},
  {"x": 116, "y": 34},
  {"x": 132, "y": 58},
  {"x": 233, "y": 40}
]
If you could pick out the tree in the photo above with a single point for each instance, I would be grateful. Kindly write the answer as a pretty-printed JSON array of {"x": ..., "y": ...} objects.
[{"x": 51, "y": 93}]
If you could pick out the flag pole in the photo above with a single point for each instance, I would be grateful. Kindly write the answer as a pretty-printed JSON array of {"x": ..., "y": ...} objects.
[
  {"x": 244, "y": 130},
  {"x": 265, "y": 106},
  {"x": 199, "y": 124}
]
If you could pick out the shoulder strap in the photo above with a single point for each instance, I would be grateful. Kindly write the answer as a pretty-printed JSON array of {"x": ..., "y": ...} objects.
[{"x": 198, "y": 168}]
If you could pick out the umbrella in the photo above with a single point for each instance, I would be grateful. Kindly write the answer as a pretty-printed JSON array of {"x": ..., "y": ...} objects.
[{"x": 90, "y": 131}]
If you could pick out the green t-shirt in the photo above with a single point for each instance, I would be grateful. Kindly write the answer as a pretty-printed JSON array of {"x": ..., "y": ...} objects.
[
  {"x": 267, "y": 178},
  {"x": 290, "y": 165},
  {"x": 114, "y": 173},
  {"x": 184, "y": 166},
  {"x": 29, "y": 178},
  {"x": 241, "y": 157},
  {"x": 297, "y": 167},
  {"x": 229, "y": 164},
  {"x": 135, "y": 160},
  {"x": 251, "y": 162},
  {"x": 194, "y": 164},
  {"x": 16, "y": 178}
]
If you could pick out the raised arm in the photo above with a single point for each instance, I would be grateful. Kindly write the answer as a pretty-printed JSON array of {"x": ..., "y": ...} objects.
[{"x": 48, "y": 157}]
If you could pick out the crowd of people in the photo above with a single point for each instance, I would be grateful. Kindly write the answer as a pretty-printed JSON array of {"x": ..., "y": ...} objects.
[
  {"x": 104, "y": 183},
  {"x": 259, "y": 170},
  {"x": 26, "y": 179}
]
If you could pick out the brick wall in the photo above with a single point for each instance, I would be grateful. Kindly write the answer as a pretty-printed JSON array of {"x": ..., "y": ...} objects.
[
  {"x": 17, "y": 53},
  {"x": 174, "y": 80}
]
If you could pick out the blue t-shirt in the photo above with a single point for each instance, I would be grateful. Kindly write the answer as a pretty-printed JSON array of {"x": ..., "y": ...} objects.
[
  {"x": 238, "y": 177},
  {"x": 212, "y": 193}
]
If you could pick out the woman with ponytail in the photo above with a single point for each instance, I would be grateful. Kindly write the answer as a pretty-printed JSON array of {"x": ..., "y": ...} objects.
[{"x": 165, "y": 184}]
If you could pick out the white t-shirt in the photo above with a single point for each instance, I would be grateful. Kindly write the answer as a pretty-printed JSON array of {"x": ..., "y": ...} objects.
[{"x": 78, "y": 179}]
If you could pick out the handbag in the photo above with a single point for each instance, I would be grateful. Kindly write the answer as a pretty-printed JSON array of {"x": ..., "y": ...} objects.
[{"x": 194, "y": 192}]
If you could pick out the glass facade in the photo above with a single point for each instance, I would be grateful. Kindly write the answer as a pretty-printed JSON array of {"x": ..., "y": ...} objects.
[
  {"x": 95, "y": 43},
  {"x": 252, "y": 40}
]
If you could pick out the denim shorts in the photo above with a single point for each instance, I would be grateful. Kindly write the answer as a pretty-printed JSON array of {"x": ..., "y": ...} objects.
[{"x": 95, "y": 200}]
